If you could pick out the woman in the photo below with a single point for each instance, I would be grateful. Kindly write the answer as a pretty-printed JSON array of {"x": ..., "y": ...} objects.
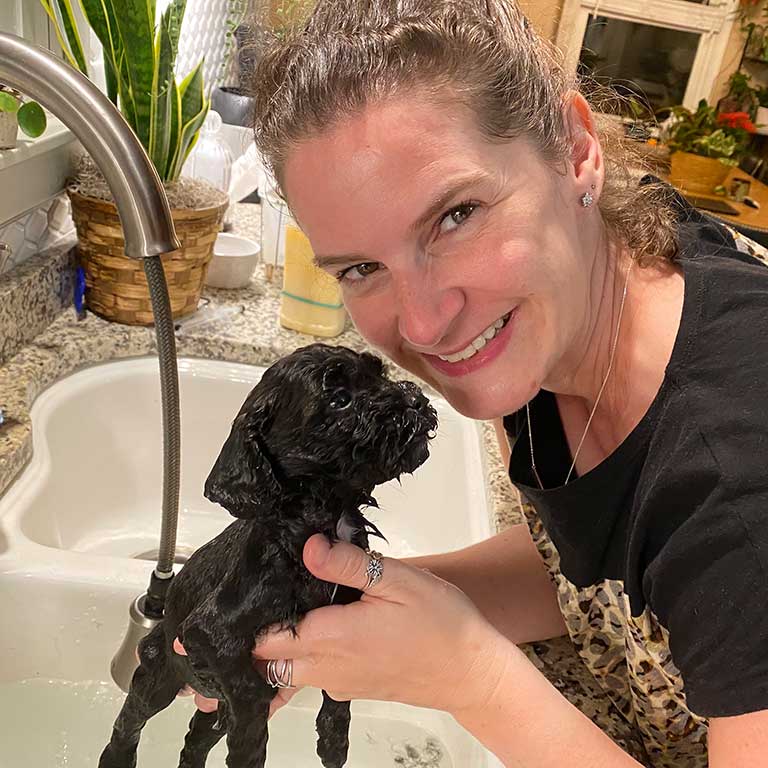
[{"x": 448, "y": 174}]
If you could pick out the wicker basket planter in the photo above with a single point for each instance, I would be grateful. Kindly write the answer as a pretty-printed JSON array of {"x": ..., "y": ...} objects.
[
  {"x": 695, "y": 173},
  {"x": 116, "y": 287}
]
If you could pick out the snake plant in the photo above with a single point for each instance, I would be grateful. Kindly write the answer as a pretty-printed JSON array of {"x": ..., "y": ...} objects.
[{"x": 139, "y": 65}]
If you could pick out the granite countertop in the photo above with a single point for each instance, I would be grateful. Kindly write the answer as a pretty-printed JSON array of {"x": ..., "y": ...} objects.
[{"x": 236, "y": 326}]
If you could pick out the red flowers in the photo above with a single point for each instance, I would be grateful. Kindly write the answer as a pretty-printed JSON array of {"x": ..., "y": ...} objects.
[{"x": 738, "y": 120}]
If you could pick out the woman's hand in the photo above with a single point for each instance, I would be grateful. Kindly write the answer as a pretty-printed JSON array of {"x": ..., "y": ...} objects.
[{"x": 412, "y": 637}]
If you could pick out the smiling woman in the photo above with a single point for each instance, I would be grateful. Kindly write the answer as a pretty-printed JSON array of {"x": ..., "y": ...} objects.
[{"x": 493, "y": 239}]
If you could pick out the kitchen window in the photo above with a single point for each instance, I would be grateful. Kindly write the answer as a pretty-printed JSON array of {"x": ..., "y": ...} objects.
[
  {"x": 665, "y": 51},
  {"x": 37, "y": 168}
]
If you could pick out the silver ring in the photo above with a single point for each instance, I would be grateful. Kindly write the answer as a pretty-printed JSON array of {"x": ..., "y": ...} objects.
[
  {"x": 282, "y": 678},
  {"x": 375, "y": 569}
]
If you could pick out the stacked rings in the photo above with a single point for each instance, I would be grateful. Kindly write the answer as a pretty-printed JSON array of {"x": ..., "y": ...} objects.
[{"x": 282, "y": 678}]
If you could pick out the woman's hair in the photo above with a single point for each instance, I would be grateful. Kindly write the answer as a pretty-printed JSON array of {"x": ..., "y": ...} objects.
[{"x": 483, "y": 54}]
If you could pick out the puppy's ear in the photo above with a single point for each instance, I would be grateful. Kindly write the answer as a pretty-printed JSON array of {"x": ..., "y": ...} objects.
[{"x": 242, "y": 479}]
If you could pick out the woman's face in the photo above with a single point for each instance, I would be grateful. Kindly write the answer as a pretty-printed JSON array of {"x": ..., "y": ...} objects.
[{"x": 466, "y": 262}]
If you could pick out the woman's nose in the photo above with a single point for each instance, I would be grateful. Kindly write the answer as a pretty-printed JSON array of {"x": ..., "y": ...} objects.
[{"x": 426, "y": 313}]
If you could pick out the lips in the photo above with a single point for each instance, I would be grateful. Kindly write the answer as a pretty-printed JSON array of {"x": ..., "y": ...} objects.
[{"x": 485, "y": 355}]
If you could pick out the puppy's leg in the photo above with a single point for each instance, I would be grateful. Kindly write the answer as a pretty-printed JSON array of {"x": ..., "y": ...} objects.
[
  {"x": 205, "y": 731},
  {"x": 154, "y": 686},
  {"x": 247, "y": 693},
  {"x": 333, "y": 732},
  {"x": 247, "y": 734}
]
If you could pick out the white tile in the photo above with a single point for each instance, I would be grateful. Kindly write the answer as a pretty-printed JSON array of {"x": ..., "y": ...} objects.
[{"x": 36, "y": 224}]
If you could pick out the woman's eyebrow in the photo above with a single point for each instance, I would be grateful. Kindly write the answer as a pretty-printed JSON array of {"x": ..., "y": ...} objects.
[
  {"x": 443, "y": 198},
  {"x": 324, "y": 262},
  {"x": 439, "y": 202}
]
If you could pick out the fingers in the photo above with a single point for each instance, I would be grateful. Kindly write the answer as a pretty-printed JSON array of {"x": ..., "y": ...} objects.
[
  {"x": 347, "y": 564},
  {"x": 204, "y": 704},
  {"x": 283, "y": 696}
]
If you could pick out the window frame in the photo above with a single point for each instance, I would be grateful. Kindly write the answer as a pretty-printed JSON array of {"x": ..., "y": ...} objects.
[{"x": 713, "y": 22}]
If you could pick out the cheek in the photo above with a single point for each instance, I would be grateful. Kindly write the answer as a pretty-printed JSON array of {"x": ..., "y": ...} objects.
[{"x": 375, "y": 320}]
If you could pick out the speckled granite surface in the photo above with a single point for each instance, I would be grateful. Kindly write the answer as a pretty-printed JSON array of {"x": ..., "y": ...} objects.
[
  {"x": 31, "y": 296},
  {"x": 237, "y": 326}
]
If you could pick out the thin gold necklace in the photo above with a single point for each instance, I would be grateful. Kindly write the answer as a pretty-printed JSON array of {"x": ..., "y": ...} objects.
[{"x": 597, "y": 400}]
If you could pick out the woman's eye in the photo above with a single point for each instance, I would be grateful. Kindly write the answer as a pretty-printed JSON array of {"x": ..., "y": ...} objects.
[
  {"x": 456, "y": 217},
  {"x": 358, "y": 272}
]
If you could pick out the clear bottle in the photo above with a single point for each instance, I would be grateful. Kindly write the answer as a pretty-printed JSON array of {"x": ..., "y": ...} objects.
[
  {"x": 311, "y": 299},
  {"x": 211, "y": 159}
]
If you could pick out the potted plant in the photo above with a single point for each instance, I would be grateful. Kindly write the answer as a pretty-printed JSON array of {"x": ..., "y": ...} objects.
[
  {"x": 166, "y": 116},
  {"x": 247, "y": 35},
  {"x": 17, "y": 113},
  {"x": 742, "y": 97},
  {"x": 705, "y": 145}
]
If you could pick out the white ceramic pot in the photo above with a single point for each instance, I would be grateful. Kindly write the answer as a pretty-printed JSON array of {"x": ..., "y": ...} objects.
[
  {"x": 233, "y": 262},
  {"x": 9, "y": 129}
]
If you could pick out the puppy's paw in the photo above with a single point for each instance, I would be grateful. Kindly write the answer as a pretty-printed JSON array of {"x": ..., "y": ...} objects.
[{"x": 114, "y": 758}]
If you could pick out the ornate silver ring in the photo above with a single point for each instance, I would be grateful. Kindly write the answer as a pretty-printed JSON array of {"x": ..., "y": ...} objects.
[{"x": 375, "y": 569}]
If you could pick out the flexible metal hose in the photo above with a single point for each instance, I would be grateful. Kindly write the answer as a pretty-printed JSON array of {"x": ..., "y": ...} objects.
[{"x": 169, "y": 388}]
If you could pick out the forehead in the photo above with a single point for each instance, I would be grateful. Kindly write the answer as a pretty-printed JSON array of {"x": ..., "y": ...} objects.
[{"x": 363, "y": 179}]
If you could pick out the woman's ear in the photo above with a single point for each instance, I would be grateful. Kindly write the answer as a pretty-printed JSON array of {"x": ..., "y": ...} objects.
[
  {"x": 243, "y": 479},
  {"x": 586, "y": 157}
]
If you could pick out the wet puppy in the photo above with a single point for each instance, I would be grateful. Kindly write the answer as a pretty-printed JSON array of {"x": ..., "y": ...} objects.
[{"x": 321, "y": 429}]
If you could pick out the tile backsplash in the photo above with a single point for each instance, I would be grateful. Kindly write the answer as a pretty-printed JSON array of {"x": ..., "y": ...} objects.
[{"x": 35, "y": 231}]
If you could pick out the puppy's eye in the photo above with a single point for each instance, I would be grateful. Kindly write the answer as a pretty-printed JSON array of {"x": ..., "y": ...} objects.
[{"x": 340, "y": 400}]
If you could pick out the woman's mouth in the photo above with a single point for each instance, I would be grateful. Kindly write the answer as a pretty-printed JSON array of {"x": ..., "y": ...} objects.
[{"x": 478, "y": 352}]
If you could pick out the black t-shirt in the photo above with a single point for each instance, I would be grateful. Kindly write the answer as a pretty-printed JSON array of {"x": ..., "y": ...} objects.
[{"x": 679, "y": 511}]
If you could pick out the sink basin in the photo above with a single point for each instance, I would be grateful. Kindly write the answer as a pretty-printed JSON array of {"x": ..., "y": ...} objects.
[{"x": 80, "y": 525}]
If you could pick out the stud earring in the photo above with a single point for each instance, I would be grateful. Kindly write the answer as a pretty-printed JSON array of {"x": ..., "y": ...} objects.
[{"x": 587, "y": 199}]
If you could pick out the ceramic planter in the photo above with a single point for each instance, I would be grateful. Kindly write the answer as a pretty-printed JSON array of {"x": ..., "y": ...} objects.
[{"x": 9, "y": 129}]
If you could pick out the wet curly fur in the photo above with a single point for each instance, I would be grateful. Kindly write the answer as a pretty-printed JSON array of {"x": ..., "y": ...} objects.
[{"x": 321, "y": 429}]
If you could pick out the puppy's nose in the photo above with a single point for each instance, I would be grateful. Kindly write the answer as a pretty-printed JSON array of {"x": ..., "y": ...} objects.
[{"x": 413, "y": 395}]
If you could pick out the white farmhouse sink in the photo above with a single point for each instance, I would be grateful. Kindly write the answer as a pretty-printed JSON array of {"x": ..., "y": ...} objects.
[{"x": 76, "y": 528}]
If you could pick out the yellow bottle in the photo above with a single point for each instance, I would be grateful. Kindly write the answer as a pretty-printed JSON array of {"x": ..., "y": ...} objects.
[{"x": 311, "y": 301}]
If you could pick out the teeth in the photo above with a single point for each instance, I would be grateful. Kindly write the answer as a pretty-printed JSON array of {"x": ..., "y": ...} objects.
[{"x": 478, "y": 343}]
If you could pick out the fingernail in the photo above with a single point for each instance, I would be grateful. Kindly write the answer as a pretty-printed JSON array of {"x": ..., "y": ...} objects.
[{"x": 178, "y": 647}]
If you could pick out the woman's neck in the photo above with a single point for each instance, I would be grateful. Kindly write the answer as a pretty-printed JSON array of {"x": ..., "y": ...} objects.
[{"x": 646, "y": 337}]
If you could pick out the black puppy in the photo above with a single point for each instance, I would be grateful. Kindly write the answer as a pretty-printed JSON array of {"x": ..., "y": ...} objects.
[{"x": 321, "y": 429}]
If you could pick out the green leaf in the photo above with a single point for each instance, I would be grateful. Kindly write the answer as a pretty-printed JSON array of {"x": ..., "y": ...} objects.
[
  {"x": 72, "y": 47},
  {"x": 100, "y": 15},
  {"x": 8, "y": 102},
  {"x": 174, "y": 133},
  {"x": 194, "y": 109},
  {"x": 166, "y": 50},
  {"x": 110, "y": 76},
  {"x": 32, "y": 119},
  {"x": 135, "y": 22},
  {"x": 189, "y": 135},
  {"x": 73, "y": 35}
]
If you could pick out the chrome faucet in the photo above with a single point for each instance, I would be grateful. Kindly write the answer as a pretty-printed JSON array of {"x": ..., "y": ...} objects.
[{"x": 149, "y": 233}]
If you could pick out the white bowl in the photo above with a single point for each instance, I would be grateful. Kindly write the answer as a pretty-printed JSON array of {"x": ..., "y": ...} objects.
[{"x": 233, "y": 262}]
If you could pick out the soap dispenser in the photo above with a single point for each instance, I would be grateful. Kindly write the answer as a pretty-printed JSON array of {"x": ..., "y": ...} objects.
[{"x": 310, "y": 301}]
